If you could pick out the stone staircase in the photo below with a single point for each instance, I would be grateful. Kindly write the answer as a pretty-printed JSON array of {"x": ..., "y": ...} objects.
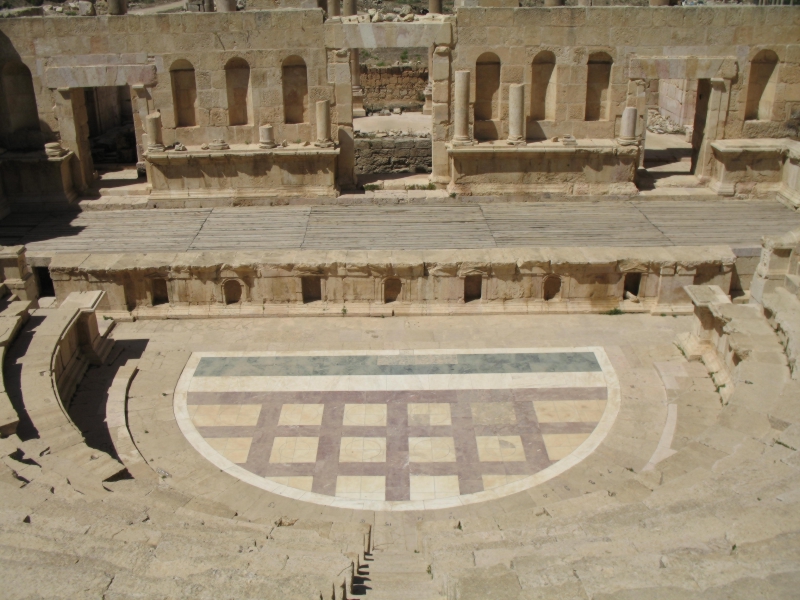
[{"x": 395, "y": 575}]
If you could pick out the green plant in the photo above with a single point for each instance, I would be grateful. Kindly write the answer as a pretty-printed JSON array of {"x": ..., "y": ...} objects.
[
  {"x": 429, "y": 186},
  {"x": 381, "y": 64},
  {"x": 453, "y": 194},
  {"x": 371, "y": 187},
  {"x": 298, "y": 141},
  {"x": 404, "y": 56},
  {"x": 615, "y": 311},
  {"x": 344, "y": 311}
]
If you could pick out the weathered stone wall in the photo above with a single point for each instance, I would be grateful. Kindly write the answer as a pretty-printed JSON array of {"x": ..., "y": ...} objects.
[
  {"x": 401, "y": 154},
  {"x": 587, "y": 280},
  {"x": 394, "y": 87},
  {"x": 677, "y": 100}
]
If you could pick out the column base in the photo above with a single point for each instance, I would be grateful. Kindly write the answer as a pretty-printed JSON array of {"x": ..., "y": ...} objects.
[
  {"x": 324, "y": 144},
  {"x": 516, "y": 142}
]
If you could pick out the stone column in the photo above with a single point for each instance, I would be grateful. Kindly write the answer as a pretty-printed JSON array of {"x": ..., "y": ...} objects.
[
  {"x": 461, "y": 134},
  {"x": 516, "y": 114},
  {"x": 349, "y": 8},
  {"x": 266, "y": 137},
  {"x": 225, "y": 5},
  {"x": 435, "y": 7},
  {"x": 554, "y": 2},
  {"x": 117, "y": 7},
  {"x": 627, "y": 129},
  {"x": 324, "y": 124},
  {"x": 358, "y": 91},
  {"x": 333, "y": 8},
  {"x": 208, "y": 5},
  {"x": 152, "y": 128}
]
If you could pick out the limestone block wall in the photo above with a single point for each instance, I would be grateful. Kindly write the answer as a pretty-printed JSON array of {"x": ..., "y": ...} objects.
[
  {"x": 401, "y": 154},
  {"x": 574, "y": 35},
  {"x": 677, "y": 99},
  {"x": 338, "y": 283},
  {"x": 393, "y": 87}
]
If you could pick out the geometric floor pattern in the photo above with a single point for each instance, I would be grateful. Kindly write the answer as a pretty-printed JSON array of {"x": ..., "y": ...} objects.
[{"x": 397, "y": 430}]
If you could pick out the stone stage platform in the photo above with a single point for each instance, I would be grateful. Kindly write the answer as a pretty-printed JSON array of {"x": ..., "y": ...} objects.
[{"x": 484, "y": 224}]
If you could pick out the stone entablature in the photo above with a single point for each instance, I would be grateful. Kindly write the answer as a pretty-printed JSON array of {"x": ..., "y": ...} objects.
[{"x": 338, "y": 283}]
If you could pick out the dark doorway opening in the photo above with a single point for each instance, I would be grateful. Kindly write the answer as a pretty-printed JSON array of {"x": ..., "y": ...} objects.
[
  {"x": 700, "y": 118},
  {"x": 233, "y": 291},
  {"x": 472, "y": 288},
  {"x": 552, "y": 288},
  {"x": 160, "y": 293},
  {"x": 391, "y": 290},
  {"x": 44, "y": 282},
  {"x": 312, "y": 289},
  {"x": 633, "y": 282}
]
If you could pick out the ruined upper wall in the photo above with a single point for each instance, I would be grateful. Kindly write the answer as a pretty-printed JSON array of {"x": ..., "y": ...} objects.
[
  {"x": 518, "y": 35},
  {"x": 266, "y": 38}
]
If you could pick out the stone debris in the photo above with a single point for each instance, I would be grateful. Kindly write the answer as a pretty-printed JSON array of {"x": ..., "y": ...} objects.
[{"x": 657, "y": 123}]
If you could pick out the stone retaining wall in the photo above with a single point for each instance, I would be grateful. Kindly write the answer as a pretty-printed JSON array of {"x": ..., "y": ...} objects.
[
  {"x": 429, "y": 282},
  {"x": 393, "y": 155},
  {"x": 393, "y": 87}
]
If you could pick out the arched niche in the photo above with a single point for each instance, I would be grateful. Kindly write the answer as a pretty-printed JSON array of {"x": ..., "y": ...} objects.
[
  {"x": 237, "y": 83},
  {"x": 294, "y": 80},
  {"x": 598, "y": 82},
  {"x": 184, "y": 93}
]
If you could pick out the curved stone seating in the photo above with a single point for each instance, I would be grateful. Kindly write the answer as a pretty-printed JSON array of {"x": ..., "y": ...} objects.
[
  {"x": 63, "y": 346},
  {"x": 12, "y": 318},
  {"x": 727, "y": 494}
]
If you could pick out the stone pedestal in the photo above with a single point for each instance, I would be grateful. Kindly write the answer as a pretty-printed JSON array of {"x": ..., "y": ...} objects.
[
  {"x": 266, "y": 137},
  {"x": 516, "y": 114},
  {"x": 17, "y": 277},
  {"x": 461, "y": 135}
]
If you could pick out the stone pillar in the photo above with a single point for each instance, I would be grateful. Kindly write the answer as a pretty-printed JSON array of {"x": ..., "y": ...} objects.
[
  {"x": 358, "y": 91},
  {"x": 153, "y": 130},
  {"x": 73, "y": 126},
  {"x": 225, "y": 5},
  {"x": 324, "y": 124},
  {"x": 584, "y": 2},
  {"x": 427, "y": 109},
  {"x": 627, "y": 129},
  {"x": 333, "y": 8},
  {"x": 516, "y": 114},
  {"x": 349, "y": 9},
  {"x": 208, "y": 5},
  {"x": 266, "y": 137},
  {"x": 554, "y": 2},
  {"x": 461, "y": 134},
  {"x": 117, "y": 7},
  {"x": 435, "y": 7}
]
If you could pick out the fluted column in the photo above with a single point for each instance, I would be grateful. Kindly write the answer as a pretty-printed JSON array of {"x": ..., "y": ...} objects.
[
  {"x": 516, "y": 114},
  {"x": 323, "y": 124},
  {"x": 461, "y": 134}
]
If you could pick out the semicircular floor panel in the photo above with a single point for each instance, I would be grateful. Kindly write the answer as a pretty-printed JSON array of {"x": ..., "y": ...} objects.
[{"x": 397, "y": 430}]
